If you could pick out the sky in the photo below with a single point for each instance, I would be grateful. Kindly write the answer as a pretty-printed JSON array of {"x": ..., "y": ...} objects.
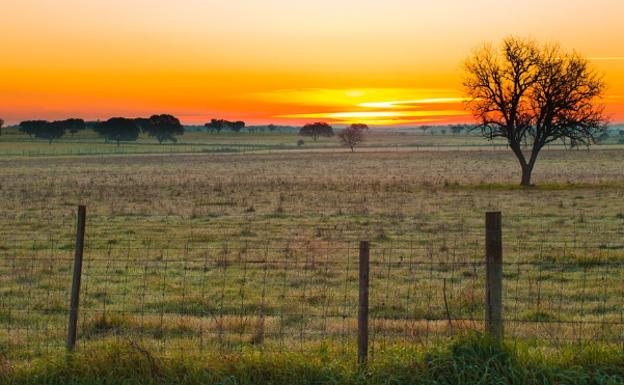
[{"x": 381, "y": 62}]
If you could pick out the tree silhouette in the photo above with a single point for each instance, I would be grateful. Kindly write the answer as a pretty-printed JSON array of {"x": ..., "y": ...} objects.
[
  {"x": 162, "y": 127},
  {"x": 29, "y": 127},
  {"x": 216, "y": 125},
  {"x": 42, "y": 129},
  {"x": 236, "y": 126},
  {"x": 353, "y": 135},
  {"x": 532, "y": 95},
  {"x": 317, "y": 129},
  {"x": 73, "y": 125},
  {"x": 1, "y": 124},
  {"x": 118, "y": 129},
  {"x": 50, "y": 131}
]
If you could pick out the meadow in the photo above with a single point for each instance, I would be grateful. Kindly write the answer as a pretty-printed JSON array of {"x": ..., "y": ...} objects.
[{"x": 194, "y": 253}]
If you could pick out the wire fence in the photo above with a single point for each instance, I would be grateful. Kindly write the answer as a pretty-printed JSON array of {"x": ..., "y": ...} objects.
[{"x": 219, "y": 295}]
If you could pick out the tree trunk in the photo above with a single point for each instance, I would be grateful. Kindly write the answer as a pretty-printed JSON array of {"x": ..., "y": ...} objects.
[
  {"x": 527, "y": 170},
  {"x": 527, "y": 167}
]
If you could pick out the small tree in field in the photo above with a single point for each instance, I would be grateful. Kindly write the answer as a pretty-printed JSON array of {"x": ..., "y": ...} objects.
[
  {"x": 353, "y": 135},
  {"x": 532, "y": 95},
  {"x": 317, "y": 129},
  {"x": 1, "y": 124}
]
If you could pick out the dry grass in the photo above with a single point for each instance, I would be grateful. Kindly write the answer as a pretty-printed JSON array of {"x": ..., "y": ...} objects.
[{"x": 261, "y": 248}]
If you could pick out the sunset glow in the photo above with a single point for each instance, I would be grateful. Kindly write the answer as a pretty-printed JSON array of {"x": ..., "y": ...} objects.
[{"x": 277, "y": 61}]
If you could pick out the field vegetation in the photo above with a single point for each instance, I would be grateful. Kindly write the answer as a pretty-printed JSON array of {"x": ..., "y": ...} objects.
[{"x": 194, "y": 255}]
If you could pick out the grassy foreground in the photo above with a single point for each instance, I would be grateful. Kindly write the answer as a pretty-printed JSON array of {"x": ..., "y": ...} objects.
[{"x": 469, "y": 359}]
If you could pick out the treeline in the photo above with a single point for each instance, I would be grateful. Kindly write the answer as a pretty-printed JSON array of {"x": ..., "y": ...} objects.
[
  {"x": 221, "y": 125},
  {"x": 42, "y": 129},
  {"x": 163, "y": 127},
  {"x": 217, "y": 125},
  {"x": 166, "y": 127}
]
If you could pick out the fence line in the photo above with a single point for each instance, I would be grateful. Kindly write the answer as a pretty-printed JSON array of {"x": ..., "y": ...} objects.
[{"x": 284, "y": 296}]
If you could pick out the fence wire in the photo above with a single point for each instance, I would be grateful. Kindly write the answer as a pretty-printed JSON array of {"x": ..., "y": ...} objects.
[{"x": 195, "y": 293}]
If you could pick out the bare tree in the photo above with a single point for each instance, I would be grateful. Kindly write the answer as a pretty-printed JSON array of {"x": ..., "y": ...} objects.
[
  {"x": 353, "y": 135},
  {"x": 532, "y": 95}
]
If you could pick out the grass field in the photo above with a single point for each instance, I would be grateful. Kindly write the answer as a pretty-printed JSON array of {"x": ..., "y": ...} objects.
[
  {"x": 467, "y": 360},
  {"x": 13, "y": 143},
  {"x": 205, "y": 252}
]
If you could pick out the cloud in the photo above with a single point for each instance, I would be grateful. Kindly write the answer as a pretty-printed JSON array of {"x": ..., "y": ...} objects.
[
  {"x": 408, "y": 103},
  {"x": 380, "y": 106}
]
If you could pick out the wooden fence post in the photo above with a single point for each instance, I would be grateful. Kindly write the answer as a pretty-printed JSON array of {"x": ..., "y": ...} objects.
[
  {"x": 363, "y": 303},
  {"x": 494, "y": 275},
  {"x": 77, "y": 274}
]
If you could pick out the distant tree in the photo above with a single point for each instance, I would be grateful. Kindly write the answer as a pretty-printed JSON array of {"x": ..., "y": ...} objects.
[
  {"x": 272, "y": 127},
  {"x": 51, "y": 131},
  {"x": 317, "y": 129},
  {"x": 353, "y": 135},
  {"x": 91, "y": 124},
  {"x": 43, "y": 129},
  {"x": 602, "y": 137},
  {"x": 118, "y": 129},
  {"x": 236, "y": 126},
  {"x": 29, "y": 127},
  {"x": 72, "y": 125},
  {"x": 533, "y": 95},
  {"x": 456, "y": 129},
  {"x": 621, "y": 133},
  {"x": 215, "y": 125},
  {"x": 1, "y": 124},
  {"x": 162, "y": 127}
]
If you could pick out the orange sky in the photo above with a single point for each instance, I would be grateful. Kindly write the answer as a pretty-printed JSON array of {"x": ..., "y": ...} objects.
[{"x": 277, "y": 61}]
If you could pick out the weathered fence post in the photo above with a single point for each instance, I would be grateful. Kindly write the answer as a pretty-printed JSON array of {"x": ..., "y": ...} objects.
[
  {"x": 494, "y": 275},
  {"x": 363, "y": 303},
  {"x": 75, "y": 290}
]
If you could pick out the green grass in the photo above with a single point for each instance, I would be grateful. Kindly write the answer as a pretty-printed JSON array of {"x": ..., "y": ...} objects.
[{"x": 468, "y": 360}]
